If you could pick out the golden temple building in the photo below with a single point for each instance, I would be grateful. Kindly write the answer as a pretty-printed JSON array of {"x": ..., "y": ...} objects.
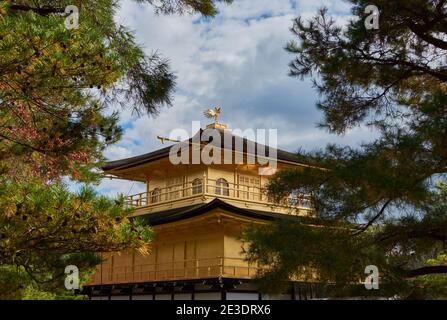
[{"x": 197, "y": 212}]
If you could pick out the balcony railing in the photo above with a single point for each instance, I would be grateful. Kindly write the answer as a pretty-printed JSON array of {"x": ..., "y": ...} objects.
[
  {"x": 175, "y": 270},
  {"x": 214, "y": 188}
]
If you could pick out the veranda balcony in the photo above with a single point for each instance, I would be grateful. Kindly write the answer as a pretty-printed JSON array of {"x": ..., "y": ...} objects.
[
  {"x": 204, "y": 190},
  {"x": 174, "y": 270}
]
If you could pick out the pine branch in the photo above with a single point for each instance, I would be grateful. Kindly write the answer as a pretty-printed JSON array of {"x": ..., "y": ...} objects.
[
  {"x": 422, "y": 33},
  {"x": 441, "y": 269},
  {"x": 377, "y": 216},
  {"x": 44, "y": 11}
]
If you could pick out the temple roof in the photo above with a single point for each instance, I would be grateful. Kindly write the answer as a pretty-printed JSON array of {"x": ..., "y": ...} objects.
[
  {"x": 281, "y": 155},
  {"x": 177, "y": 214}
]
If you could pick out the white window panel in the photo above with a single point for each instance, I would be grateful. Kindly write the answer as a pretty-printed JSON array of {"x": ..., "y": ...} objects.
[
  {"x": 182, "y": 296},
  {"x": 119, "y": 298},
  {"x": 242, "y": 296},
  {"x": 207, "y": 296},
  {"x": 142, "y": 297}
]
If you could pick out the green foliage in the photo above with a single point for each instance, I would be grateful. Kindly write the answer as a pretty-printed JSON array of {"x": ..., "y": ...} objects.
[
  {"x": 394, "y": 80},
  {"x": 432, "y": 286},
  {"x": 315, "y": 253},
  {"x": 56, "y": 89},
  {"x": 205, "y": 7},
  {"x": 57, "y": 83},
  {"x": 15, "y": 284},
  {"x": 44, "y": 228}
]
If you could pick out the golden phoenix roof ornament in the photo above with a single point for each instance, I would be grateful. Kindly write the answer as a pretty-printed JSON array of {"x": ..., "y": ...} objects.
[
  {"x": 210, "y": 113},
  {"x": 214, "y": 114}
]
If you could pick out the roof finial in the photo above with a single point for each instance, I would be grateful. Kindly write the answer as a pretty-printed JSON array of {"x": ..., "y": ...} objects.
[
  {"x": 164, "y": 139},
  {"x": 210, "y": 113},
  {"x": 214, "y": 114}
]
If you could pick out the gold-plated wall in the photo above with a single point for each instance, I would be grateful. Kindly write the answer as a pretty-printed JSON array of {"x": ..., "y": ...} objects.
[{"x": 200, "y": 247}]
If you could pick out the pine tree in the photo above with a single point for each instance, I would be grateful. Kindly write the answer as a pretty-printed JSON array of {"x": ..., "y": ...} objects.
[
  {"x": 57, "y": 85},
  {"x": 386, "y": 198}
]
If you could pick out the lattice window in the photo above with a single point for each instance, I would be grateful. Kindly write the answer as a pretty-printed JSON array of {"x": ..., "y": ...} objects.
[
  {"x": 197, "y": 186},
  {"x": 174, "y": 187},
  {"x": 249, "y": 187},
  {"x": 222, "y": 187}
]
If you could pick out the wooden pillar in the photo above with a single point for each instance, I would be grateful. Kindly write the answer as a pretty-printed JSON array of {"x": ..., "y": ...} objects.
[
  {"x": 102, "y": 265},
  {"x": 223, "y": 294},
  {"x": 293, "y": 291},
  {"x": 184, "y": 186},
  {"x": 236, "y": 183},
  {"x": 205, "y": 182},
  {"x": 148, "y": 200}
]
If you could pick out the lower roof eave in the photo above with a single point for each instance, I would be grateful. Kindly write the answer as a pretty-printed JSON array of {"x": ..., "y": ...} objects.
[{"x": 183, "y": 213}]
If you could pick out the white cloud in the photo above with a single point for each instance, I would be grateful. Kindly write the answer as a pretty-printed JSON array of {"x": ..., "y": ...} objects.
[
  {"x": 115, "y": 187},
  {"x": 117, "y": 152},
  {"x": 235, "y": 60}
]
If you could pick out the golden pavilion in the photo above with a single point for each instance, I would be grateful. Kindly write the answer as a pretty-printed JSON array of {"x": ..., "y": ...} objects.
[{"x": 197, "y": 211}]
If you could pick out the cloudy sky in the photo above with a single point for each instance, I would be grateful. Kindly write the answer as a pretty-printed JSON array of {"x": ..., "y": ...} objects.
[{"x": 235, "y": 60}]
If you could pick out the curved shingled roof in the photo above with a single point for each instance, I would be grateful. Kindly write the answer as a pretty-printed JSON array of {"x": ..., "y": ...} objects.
[
  {"x": 281, "y": 155},
  {"x": 177, "y": 214}
]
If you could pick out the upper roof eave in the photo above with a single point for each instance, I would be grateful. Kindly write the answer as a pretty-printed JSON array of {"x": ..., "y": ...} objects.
[{"x": 281, "y": 156}]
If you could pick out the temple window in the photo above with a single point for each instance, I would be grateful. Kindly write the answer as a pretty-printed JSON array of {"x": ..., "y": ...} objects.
[
  {"x": 222, "y": 187},
  {"x": 155, "y": 197},
  {"x": 197, "y": 186}
]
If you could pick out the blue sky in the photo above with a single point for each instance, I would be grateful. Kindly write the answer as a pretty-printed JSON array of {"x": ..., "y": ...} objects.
[{"x": 235, "y": 60}]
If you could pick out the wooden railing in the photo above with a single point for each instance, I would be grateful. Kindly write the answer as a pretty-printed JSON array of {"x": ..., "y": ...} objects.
[
  {"x": 175, "y": 270},
  {"x": 213, "y": 188}
]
